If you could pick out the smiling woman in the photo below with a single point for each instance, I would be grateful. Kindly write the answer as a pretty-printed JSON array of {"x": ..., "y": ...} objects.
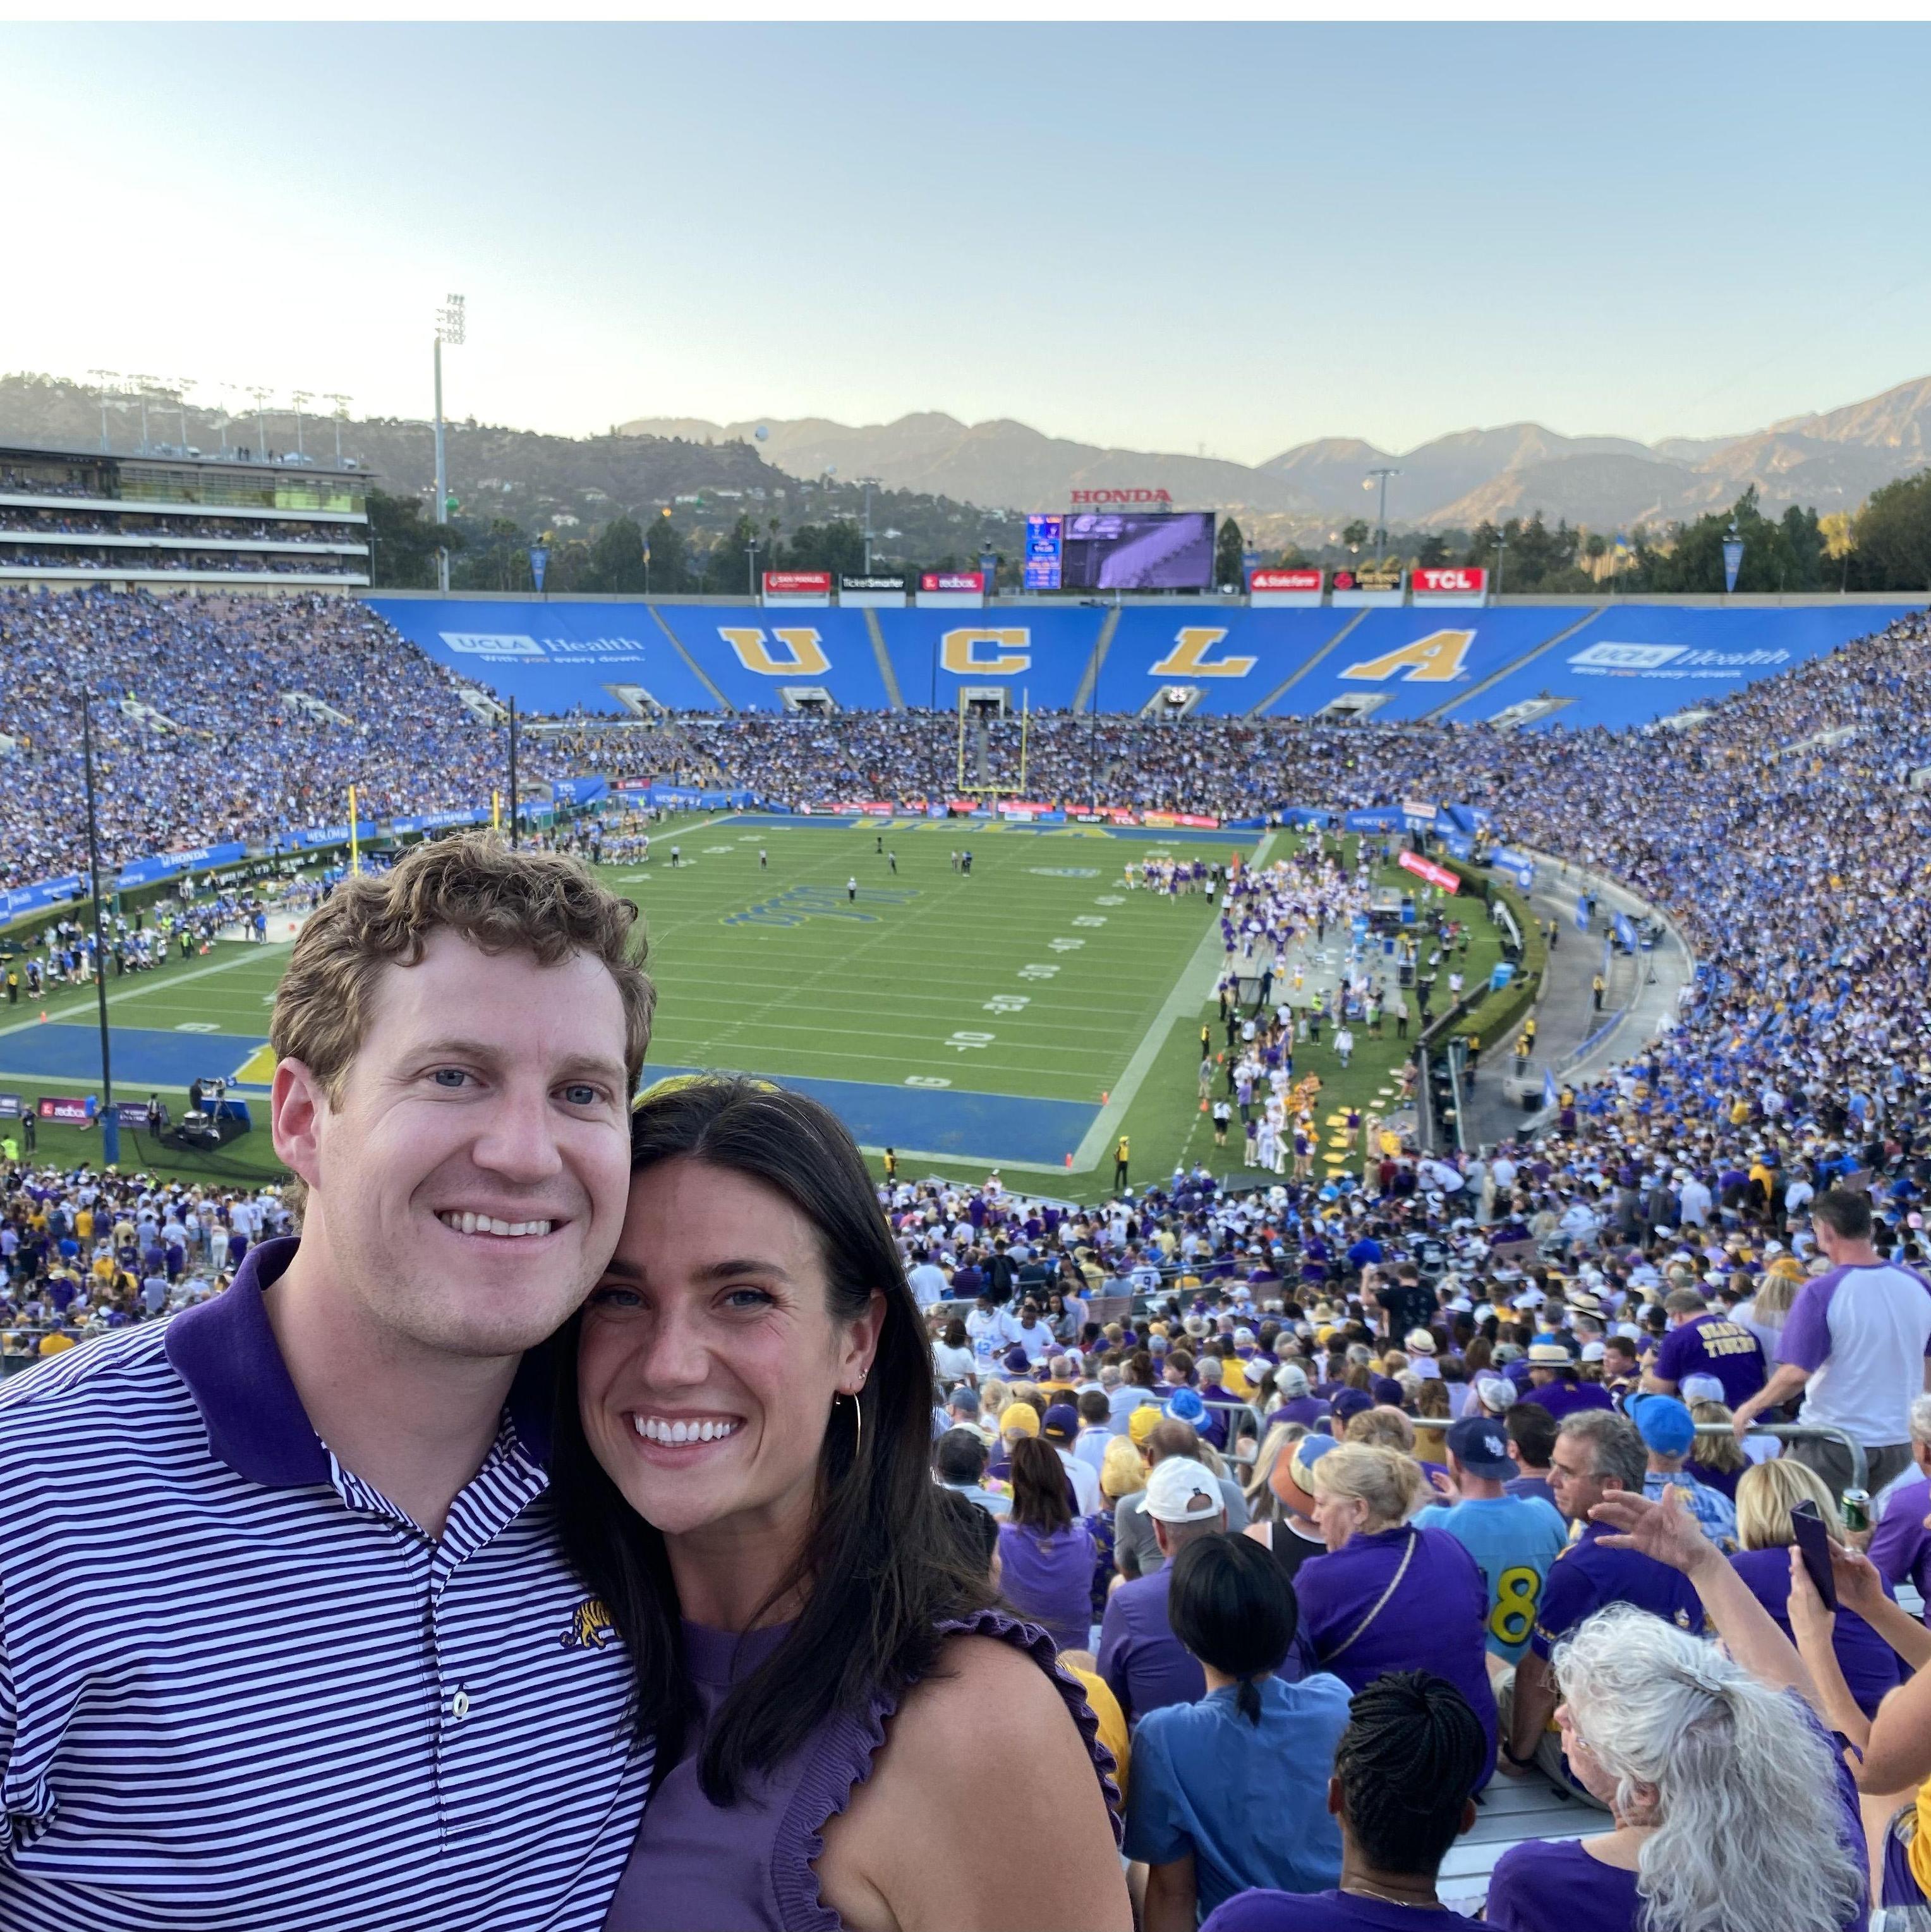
[{"x": 741, "y": 1472}]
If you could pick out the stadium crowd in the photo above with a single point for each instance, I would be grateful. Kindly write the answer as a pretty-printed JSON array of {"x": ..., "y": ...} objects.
[
  {"x": 229, "y": 756},
  {"x": 1345, "y": 1497},
  {"x": 1473, "y": 1455}
]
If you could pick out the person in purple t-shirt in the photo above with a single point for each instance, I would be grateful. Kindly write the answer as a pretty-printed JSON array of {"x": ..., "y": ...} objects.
[
  {"x": 1145, "y": 1665},
  {"x": 1701, "y": 1343},
  {"x": 1900, "y": 1546},
  {"x": 1731, "y": 1803},
  {"x": 1555, "y": 1383},
  {"x": 1388, "y": 1596},
  {"x": 1597, "y": 1456},
  {"x": 1402, "y": 1793}
]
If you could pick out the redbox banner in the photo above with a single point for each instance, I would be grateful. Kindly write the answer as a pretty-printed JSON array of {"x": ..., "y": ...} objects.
[
  {"x": 1449, "y": 583},
  {"x": 1426, "y": 868},
  {"x": 971, "y": 581},
  {"x": 797, "y": 583},
  {"x": 57, "y": 1107},
  {"x": 1196, "y": 821},
  {"x": 1278, "y": 582}
]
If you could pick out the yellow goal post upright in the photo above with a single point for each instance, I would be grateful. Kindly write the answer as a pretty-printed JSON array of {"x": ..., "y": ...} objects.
[{"x": 967, "y": 696}]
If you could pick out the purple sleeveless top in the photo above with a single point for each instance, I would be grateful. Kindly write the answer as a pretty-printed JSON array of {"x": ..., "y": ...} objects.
[{"x": 698, "y": 1868}]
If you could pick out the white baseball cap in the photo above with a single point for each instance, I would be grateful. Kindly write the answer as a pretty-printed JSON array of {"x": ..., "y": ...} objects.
[{"x": 1181, "y": 1490}]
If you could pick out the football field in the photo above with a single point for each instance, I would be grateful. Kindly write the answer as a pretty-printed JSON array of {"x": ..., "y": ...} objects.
[{"x": 1022, "y": 1015}]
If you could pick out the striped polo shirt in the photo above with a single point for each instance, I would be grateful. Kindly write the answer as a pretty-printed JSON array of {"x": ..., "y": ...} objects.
[{"x": 240, "y": 1689}]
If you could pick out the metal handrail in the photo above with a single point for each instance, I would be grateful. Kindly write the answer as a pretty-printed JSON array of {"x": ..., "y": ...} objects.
[{"x": 1798, "y": 1431}]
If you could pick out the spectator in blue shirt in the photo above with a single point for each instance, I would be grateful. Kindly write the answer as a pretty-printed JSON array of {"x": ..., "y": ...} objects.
[
  {"x": 1669, "y": 1432},
  {"x": 1232, "y": 1792}
]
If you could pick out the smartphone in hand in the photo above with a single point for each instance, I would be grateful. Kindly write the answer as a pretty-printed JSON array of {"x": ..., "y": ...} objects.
[{"x": 1813, "y": 1543}]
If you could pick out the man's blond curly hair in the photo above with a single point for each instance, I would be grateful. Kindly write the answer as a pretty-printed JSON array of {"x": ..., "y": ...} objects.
[{"x": 540, "y": 903}]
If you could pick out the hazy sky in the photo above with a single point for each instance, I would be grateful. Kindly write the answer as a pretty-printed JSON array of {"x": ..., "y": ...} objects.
[{"x": 1235, "y": 236}]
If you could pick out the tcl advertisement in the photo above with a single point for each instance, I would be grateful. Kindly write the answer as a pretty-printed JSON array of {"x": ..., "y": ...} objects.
[
  {"x": 799, "y": 584},
  {"x": 1454, "y": 585},
  {"x": 1426, "y": 868},
  {"x": 1286, "y": 587}
]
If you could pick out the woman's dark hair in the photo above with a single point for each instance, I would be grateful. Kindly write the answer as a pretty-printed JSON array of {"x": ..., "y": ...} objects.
[
  {"x": 1138, "y": 1371},
  {"x": 1040, "y": 1501},
  {"x": 977, "y": 1533},
  {"x": 1408, "y": 1762},
  {"x": 1231, "y": 1604},
  {"x": 880, "y": 1567},
  {"x": 954, "y": 1337}
]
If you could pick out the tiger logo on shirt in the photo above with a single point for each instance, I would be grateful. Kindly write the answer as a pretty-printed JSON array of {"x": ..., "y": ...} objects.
[{"x": 591, "y": 1627}]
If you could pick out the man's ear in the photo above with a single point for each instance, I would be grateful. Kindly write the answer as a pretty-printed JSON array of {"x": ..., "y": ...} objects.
[{"x": 297, "y": 1101}]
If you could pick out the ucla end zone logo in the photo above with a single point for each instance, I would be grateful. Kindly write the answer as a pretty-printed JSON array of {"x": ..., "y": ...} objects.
[{"x": 1437, "y": 659}]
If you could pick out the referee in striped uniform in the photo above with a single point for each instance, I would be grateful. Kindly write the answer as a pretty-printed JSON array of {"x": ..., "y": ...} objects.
[{"x": 288, "y": 1644}]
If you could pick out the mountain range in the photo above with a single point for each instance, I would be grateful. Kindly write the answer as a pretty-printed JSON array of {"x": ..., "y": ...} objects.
[{"x": 1831, "y": 461}]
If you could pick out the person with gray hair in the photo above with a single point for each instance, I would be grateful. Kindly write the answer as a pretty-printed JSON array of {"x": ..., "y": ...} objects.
[
  {"x": 1297, "y": 1402},
  {"x": 1900, "y": 1546},
  {"x": 1598, "y": 1453},
  {"x": 1730, "y": 1807}
]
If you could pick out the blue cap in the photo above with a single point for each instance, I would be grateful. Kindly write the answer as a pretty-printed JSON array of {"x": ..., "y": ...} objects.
[
  {"x": 1481, "y": 1446},
  {"x": 1185, "y": 1405},
  {"x": 1664, "y": 1424}
]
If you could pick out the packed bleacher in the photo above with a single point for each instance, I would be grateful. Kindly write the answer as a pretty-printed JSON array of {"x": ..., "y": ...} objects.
[{"x": 1438, "y": 1428}]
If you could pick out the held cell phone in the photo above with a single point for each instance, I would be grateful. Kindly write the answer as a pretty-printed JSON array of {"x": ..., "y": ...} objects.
[{"x": 1813, "y": 1542}]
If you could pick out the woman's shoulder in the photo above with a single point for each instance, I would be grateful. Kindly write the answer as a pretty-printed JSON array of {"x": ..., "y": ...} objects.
[{"x": 995, "y": 1681}]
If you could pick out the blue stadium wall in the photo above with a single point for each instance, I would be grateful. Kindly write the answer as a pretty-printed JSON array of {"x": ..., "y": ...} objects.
[{"x": 1622, "y": 665}]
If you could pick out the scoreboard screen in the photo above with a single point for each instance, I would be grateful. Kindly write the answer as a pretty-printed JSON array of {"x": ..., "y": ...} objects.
[
  {"x": 1044, "y": 541},
  {"x": 1110, "y": 550}
]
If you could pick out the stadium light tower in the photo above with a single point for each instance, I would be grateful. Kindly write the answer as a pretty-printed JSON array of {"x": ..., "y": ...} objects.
[
  {"x": 450, "y": 321},
  {"x": 302, "y": 399},
  {"x": 261, "y": 397},
  {"x": 109, "y": 384},
  {"x": 871, "y": 483},
  {"x": 341, "y": 416},
  {"x": 1381, "y": 522}
]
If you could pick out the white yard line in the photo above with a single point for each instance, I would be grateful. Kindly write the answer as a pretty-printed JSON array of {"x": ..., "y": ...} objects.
[
  {"x": 85, "y": 1009},
  {"x": 1191, "y": 992}
]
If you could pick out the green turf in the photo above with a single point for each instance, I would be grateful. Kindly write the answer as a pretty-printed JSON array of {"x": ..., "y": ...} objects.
[{"x": 1039, "y": 975}]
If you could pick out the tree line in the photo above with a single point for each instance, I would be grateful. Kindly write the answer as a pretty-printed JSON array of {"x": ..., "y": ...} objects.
[{"x": 1884, "y": 545}]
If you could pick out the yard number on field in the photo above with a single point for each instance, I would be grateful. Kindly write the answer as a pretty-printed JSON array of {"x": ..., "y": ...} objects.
[
  {"x": 1037, "y": 972},
  {"x": 976, "y": 1041},
  {"x": 1007, "y": 1003}
]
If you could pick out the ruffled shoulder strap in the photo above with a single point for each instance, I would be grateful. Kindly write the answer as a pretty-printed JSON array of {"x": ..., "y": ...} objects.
[{"x": 845, "y": 1754}]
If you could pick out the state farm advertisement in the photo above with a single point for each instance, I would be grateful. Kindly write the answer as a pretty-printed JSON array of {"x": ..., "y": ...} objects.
[
  {"x": 1459, "y": 583},
  {"x": 1279, "y": 582},
  {"x": 1426, "y": 868},
  {"x": 797, "y": 583}
]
